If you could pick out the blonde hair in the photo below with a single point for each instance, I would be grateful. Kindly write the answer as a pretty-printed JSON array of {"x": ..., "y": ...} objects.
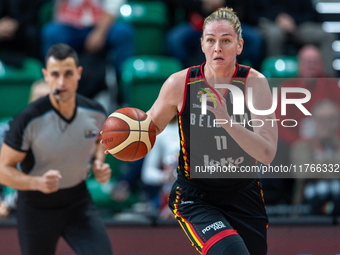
[{"x": 227, "y": 14}]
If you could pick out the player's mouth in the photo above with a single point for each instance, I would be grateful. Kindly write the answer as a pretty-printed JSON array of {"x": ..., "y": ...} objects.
[
  {"x": 58, "y": 92},
  {"x": 218, "y": 59}
]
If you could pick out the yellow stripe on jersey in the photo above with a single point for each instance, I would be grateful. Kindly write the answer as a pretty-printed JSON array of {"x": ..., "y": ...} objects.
[
  {"x": 187, "y": 228},
  {"x": 238, "y": 81},
  {"x": 193, "y": 234},
  {"x": 183, "y": 145},
  {"x": 192, "y": 82}
]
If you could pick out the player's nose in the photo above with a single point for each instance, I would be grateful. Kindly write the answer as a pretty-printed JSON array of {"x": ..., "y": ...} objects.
[
  {"x": 61, "y": 80},
  {"x": 218, "y": 47}
]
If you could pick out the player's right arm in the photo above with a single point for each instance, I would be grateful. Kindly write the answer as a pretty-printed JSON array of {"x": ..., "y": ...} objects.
[
  {"x": 12, "y": 177},
  {"x": 169, "y": 101}
]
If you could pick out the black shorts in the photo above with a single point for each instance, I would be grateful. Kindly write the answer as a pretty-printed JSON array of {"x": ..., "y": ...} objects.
[
  {"x": 68, "y": 213},
  {"x": 210, "y": 216}
]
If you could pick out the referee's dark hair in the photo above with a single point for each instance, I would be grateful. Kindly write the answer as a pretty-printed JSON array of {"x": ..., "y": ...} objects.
[{"x": 61, "y": 51}]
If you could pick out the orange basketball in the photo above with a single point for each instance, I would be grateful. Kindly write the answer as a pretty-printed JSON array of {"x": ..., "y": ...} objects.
[{"x": 129, "y": 134}]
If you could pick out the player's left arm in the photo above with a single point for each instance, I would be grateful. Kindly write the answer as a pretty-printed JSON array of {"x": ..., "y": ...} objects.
[
  {"x": 101, "y": 170},
  {"x": 262, "y": 143},
  {"x": 263, "y": 100}
]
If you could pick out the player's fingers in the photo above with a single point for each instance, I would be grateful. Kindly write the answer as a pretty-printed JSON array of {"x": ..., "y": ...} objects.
[
  {"x": 52, "y": 179},
  {"x": 210, "y": 99},
  {"x": 51, "y": 188},
  {"x": 104, "y": 174},
  {"x": 98, "y": 164},
  {"x": 107, "y": 174},
  {"x": 104, "y": 179},
  {"x": 52, "y": 185},
  {"x": 100, "y": 179},
  {"x": 106, "y": 167},
  {"x": 210, "y": 108},
  {"x": 53, "y": 173},
  {"x": 216, "y": 102}
]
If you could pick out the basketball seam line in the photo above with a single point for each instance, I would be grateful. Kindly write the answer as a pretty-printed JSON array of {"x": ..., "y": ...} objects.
[
  {"x": 129, "y": 131},
  {"x": 139, "y": 133},
  {"x": 125, "y": 115},
  {"x": 129, "y": 145}
]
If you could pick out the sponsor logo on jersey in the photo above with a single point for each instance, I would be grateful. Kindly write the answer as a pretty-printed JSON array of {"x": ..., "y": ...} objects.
[
  {"x": 196, "y": 106},
  {"x": 199, "y": 96},
  {"x": 187, "y": 202},
  {"x": 89, "y": 133},
  {"x": 215, "y": 226}
]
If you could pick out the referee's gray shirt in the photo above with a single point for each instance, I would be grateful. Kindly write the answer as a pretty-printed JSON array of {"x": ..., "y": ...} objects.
[{"x": 53, "y": 142}]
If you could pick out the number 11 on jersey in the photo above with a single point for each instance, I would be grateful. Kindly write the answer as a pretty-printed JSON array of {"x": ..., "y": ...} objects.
[{"x": 221, "y": 142}]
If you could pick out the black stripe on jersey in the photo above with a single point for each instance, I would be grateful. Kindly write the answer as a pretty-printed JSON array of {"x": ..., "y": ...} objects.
[
  {"x": 90, "y": 104},
  {"x": 242, "y": 71},
  {"x": 19, "y": 123}
]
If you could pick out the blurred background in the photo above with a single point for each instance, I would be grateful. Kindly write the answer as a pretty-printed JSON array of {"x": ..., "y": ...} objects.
[{"x": 293, "y": 43}]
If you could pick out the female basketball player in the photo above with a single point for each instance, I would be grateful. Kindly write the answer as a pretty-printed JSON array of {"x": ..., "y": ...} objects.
[{"x": 223, "y": 215}]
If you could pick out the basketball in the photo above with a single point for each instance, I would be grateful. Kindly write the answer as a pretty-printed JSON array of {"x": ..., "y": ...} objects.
[{"x": 129, "y": 134}]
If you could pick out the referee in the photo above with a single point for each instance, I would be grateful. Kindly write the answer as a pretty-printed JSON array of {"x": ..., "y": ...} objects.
[{"x": 53, "y": 140}]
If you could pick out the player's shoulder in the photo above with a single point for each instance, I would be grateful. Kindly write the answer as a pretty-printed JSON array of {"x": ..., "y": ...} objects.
[
  {"x": 90, "y": 104},
  {"x": 179, "y": 76},
  {"x": 255, "y": 74},
  {"x": 175, "y": 81}
]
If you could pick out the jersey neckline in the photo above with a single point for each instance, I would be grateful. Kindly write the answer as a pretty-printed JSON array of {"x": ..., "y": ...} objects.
[
  {"x": 62, "y": 117},
  {"x": 213, "y": 89}
]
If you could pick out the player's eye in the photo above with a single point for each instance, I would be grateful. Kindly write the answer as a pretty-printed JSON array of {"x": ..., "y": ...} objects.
[{"x": 68, "y": 74}]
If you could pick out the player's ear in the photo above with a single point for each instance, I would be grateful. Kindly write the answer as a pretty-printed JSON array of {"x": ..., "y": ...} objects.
[
  {"x": 202, "y": 44},
  {"x": 239, "y": 47},
  {"x": 79, "y": 71},
  {"x": 44, "y": 71}
]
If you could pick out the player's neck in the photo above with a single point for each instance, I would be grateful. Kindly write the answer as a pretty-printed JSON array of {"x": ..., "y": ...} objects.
[{"x": 218, "y": 72}]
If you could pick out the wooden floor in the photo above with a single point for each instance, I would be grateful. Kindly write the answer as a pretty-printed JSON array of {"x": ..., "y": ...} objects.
[{"x": 170, "y": 240}]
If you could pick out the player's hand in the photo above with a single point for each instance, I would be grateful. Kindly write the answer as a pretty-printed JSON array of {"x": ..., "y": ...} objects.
[
  {"x": 49, "y": 182},
  {"x": 102, "y": 142},
  {"x": 219, "y": 110},
  {"x": 101, "y": 171}
]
